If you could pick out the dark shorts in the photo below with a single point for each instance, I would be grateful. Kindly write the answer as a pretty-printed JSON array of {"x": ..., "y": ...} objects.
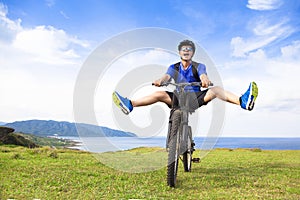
[{"x": 196, "y": 99}]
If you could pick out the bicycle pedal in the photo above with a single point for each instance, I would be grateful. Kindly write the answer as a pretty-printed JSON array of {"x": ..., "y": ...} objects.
[
  {"x": 193, "y": 146},
  {"x": 196, "y": 160}
]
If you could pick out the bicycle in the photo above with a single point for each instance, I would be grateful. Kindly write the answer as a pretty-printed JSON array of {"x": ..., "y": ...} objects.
[{"x": 180, "y": 143}]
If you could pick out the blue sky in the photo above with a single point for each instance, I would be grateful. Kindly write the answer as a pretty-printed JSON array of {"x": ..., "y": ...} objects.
[{"x": 44, "y": 43}]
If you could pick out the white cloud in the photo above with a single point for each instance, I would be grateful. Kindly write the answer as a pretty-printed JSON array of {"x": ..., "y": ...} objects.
[
  {"x": 278, "y": 75},
  {"x": 264, "y": 33},
  {"x": 64, "y": 14},
  {"x": 38, "y": 70},
  {"x": 242, "y": 48},
  {"x": 266, "y": 27},
  {"x": 50, "y": 3},
  {"x": 42, "y": 43},
  {"x": 277, "y": 108},
  {"x": 3, "y": 13},
  {"x": 264, "y": 4},
  {"x": 8, "y": 27},
  {"x": 47, "y": 44},
  {"x": 291, "y": 51}
]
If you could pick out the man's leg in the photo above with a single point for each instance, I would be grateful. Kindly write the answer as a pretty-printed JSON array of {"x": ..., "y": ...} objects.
[
  {"x": 220, "y": 93},
  {"x": 127, "y": 105},
  {"x": 158, "y": 96},
  {"x": 246, "y": 101}
]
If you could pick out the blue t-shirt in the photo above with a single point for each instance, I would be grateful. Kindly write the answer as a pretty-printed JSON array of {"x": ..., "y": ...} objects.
[{"x": 187, "y": 75}]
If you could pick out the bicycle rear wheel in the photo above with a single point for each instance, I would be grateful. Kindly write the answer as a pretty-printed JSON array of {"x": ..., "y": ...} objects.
[{"x": 174, "y": 148}]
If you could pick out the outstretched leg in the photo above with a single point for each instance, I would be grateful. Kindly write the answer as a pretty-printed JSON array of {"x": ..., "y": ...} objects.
[
  {"x": 220, "y": 93},
  {"x": 158, "y": 96},
  {"x": 246, "y": 101},
  {"x": 127, "y": 105}
]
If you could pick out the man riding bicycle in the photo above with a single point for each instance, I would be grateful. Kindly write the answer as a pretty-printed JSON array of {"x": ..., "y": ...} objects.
[{"x": 188, "y": 71}]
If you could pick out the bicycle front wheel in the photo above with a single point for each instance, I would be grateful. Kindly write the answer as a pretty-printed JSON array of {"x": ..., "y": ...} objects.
[
  {"x": 187, "y": 155},
  {"x": 174, "y": 149}
]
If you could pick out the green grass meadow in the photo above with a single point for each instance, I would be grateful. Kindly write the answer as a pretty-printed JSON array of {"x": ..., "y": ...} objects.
[{"x": 45, "y": 173}]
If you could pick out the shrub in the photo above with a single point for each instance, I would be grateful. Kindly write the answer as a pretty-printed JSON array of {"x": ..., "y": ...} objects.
[{"x": 53, "y": 154}]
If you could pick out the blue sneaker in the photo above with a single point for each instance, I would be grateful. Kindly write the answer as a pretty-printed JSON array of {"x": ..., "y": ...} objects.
[
  {"x": 123, "y": 103},
  {"x": 247, "y": 100}
]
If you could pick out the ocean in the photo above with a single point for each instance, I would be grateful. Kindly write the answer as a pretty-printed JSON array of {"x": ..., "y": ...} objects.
[{"x": 104, "y": 144}]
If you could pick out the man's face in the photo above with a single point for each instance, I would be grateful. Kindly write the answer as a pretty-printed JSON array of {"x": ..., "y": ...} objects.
[{"x": 186, "y": 53}]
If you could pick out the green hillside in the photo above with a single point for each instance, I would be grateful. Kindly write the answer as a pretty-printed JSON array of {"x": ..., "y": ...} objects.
[
  {"x": 45, "y": 173},
  {"x": 9, "y": 137}
]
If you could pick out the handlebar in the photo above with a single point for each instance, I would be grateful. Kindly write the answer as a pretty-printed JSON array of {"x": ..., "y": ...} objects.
[{"x": 183, "y": 85}]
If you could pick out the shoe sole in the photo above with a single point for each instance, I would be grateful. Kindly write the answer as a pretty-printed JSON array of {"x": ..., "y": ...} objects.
[
  {"x": 119, "y": 104},
  {"x": 253, "y": 96}
]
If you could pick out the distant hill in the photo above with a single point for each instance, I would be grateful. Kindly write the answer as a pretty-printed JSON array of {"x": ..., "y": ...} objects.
[
  {"x": 2, "y": 123},
  {"x": 51, "y": 128}
]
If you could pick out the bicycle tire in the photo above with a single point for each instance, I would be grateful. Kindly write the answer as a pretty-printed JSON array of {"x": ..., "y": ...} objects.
[
  {"x": 187, "y": 155},
  {"x": 174, "y": 148}
]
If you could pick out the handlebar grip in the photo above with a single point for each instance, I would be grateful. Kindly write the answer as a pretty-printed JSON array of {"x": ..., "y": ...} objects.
[
  {"x": 162, "y": 84},
  {"x": 155, "y": 85}
]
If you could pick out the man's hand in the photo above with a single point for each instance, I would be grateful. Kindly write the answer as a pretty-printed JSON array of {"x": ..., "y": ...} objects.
[
  {"x": 204, "y": 80},
  {"x": 157, "y": 83},
  {"x": 163, "y": 79}
]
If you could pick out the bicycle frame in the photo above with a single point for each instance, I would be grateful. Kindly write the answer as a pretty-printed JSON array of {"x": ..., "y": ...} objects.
[
  {"x": 180, "y": 132},
  {"x": 183, "y": 101}
]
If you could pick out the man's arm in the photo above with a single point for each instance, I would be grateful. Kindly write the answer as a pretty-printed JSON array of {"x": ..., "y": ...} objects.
[
  {"x": 164, "y": 78},
  {"x": 203, "y": 75},
  {"x": 204, "y": 80}
]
